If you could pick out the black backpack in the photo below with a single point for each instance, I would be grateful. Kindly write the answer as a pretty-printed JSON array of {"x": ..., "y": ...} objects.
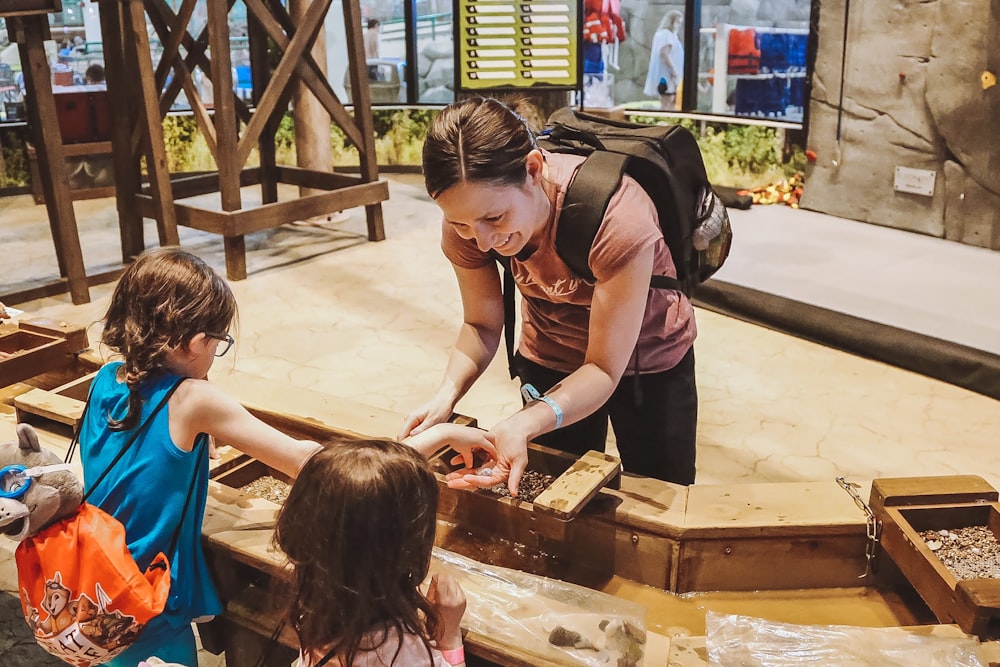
[{"x": 667, "y": 163}]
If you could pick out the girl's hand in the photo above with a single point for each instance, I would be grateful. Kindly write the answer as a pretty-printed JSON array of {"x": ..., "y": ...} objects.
[
  {"x": 446, "y": 596},
  {"x": 463, "y": 439}
]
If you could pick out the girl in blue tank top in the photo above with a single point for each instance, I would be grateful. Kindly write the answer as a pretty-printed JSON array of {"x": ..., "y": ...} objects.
[{"x": 169, "y": 319}]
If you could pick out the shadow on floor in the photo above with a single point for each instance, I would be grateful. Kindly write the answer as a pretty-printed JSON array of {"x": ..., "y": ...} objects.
[{"x": 17, "y": 646}]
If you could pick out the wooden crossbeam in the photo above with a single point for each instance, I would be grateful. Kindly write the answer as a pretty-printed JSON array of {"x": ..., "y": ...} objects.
[
  {"x": 300, "y": 42},
  {"x": 306, "y": 69}
]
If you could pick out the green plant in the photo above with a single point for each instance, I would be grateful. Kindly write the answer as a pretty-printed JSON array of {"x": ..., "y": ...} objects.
[
  {"x": 13, "y": 161},
  {"x": 185, "y": 145}
]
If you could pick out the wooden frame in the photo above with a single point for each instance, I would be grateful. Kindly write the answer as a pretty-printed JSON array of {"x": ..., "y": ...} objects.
[
  {"x": 146, "y": 96},
  {"x": 28, "y": 25}
]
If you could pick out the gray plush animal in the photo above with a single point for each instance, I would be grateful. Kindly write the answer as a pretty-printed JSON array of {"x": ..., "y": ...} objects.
[{"x": 53, "y": 492}]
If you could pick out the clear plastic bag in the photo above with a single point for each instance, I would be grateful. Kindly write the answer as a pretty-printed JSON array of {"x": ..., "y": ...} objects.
[
  {"x": 554, "y": 621},
  {"x": 754, "y": 642}
]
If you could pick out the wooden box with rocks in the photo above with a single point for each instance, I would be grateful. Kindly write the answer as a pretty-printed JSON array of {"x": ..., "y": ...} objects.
[{"x": 942, "y": 533}]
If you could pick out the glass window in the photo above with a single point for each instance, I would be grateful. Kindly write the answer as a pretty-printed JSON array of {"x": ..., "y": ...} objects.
[
  {"x": 435, "y": 52},
  {"x": 750, "y": 57}
]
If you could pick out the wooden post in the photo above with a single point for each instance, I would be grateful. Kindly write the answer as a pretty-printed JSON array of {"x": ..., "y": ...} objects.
[
  {"x": 312, "y": 122},
  {"x": 362, "y": 97},
  {"x": 259, "y": 73},
  {"x": 30, "y": 32},
  {"x": 149, "y": 102},
  {"x": 124, "y": 113}
]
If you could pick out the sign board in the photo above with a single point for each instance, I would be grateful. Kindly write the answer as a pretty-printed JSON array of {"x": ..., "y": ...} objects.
[
  {"x": 916, "y": 181},
  {"x": 519, "y": 44}
]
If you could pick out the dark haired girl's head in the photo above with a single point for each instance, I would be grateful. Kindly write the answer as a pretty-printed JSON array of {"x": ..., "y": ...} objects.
[
  {"x": 358, "y": 526},
  {"x": 165, "y": 298},
  {"x": 478, "y": 140}
]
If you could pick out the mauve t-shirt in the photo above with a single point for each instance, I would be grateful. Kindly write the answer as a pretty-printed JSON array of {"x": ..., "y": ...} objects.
[
  {"x": 412, "y": 653},
  {"x": 556, "y": 302}
]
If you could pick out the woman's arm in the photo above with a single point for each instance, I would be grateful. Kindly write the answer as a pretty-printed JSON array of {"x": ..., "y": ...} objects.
[
  {"x": 200, "y": 407},
  {"x": 616, "y": 316},
  {"x": 478, "y": 339}
]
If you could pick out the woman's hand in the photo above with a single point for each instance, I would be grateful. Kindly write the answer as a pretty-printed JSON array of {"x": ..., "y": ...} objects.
[
  {"x": 511, "y": 460},
  {"x": 446, "y": 596},
  {"x": 465, "y": 440},
  {"x": 427, "y": 415}
]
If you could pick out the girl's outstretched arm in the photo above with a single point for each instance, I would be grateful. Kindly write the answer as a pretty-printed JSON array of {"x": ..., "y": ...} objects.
[
  {"x": 463, "y": 439},
  {"x": 200, "y": 407}
]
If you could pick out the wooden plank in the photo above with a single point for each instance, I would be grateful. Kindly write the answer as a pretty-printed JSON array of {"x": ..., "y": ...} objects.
[
  {"x": 741, "y": 563},
  {"x": 48, "y": 405},
  {"x": 890, "y": 491},
  {"x": 918, "y": 564},
  {"x": 271, "y": 215},
  {"x": 977, "y": 607},
  {"x": 48, "y": 142},
  {"x": 566, "y": 496},
  {"x": 125, "y": 160},
  {"x": 322, "y": 180},
  {"x": 156, "y": 158}
]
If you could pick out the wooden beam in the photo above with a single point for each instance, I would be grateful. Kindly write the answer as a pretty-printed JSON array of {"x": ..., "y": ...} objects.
[
  {"x": 308, "y": 71},
  {"x": 156, "y": 159},
  {"x": 34, "y": 30},
  {"x": 312, "y": 20}
]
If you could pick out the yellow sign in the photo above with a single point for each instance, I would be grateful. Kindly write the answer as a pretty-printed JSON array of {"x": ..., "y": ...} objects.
[{"x": 528, "y": 44}]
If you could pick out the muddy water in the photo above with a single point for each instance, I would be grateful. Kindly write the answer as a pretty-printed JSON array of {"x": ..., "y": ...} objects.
[{"x": 684, "y": 615}]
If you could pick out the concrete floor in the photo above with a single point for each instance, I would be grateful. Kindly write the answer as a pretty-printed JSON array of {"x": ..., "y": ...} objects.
[{"x": 325, "y": 310}]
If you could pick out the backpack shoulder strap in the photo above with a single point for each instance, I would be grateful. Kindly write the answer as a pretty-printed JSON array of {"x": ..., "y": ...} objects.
[{"x": 586, "y": 200}]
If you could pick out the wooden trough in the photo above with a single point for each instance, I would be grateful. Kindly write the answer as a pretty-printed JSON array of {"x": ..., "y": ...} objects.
[
  {"x": 644, "y": 541},
  {"x": 908, "y": 506}
]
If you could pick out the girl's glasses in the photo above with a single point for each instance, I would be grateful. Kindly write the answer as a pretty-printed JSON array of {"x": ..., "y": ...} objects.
[{"x": 226, "y": 338}]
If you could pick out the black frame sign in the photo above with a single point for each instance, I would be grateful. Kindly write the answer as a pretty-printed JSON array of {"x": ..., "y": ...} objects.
[{"x": 516, "y": 44}]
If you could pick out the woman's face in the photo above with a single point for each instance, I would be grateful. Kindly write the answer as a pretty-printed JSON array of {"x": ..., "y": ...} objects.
[{"x": 501, "y": 218}]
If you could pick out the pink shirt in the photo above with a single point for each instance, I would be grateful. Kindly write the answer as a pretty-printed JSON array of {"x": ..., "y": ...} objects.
[
  {"x": 413, "y": 653},
  {"x": 556, "y": 302}
]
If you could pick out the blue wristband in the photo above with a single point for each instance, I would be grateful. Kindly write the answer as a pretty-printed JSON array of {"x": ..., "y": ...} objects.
[{"x": 530, "y": 395}]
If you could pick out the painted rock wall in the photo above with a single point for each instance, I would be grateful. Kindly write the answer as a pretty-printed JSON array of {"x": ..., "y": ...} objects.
[{"x": 913, "y": 96}]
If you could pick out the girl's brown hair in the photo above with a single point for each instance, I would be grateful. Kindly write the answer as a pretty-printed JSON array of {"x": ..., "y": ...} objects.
[
  {"x": 162, "y": 301},
  {"x": 480, "y": 139},
  {"x": 358, "y": 527}
]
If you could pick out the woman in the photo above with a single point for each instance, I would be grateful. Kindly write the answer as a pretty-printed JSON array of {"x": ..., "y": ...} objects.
[
  {"x": 666, "y": 61},
  {"x": 501, "y": 194}
]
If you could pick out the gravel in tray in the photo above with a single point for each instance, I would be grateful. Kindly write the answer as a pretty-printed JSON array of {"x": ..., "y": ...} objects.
[
  {"x": 968, "y": 553},
  {"x": 268, "y": 488},
  {"x": 531, "y": 486}
]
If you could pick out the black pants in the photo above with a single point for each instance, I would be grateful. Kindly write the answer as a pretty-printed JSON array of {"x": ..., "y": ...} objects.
[{"x": 654, "y": 415}]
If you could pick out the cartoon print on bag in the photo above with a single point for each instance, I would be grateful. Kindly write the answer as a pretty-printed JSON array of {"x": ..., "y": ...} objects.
[{"x": 107, "y": 629}]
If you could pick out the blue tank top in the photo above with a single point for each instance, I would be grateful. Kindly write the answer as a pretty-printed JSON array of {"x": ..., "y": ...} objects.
[{"x": 147, "y": 488}]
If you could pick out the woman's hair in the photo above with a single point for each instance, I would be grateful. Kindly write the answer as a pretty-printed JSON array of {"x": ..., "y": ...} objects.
[
  {"x": 358, "y": 527},
  {"x": 479, "y": 140},
  {"x": 165, "y": 298},
  {"x": 670, "y": 20}
]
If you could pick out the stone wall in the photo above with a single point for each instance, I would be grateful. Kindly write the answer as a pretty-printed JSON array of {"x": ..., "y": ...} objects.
[{"x": 913, "y": 96}]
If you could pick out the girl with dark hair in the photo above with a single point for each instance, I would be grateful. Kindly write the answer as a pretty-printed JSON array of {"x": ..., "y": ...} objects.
[
  {"x": 501, "y": 195},
  {"x": 170, "y": 316},
  {"x": 361, "y": 556}
]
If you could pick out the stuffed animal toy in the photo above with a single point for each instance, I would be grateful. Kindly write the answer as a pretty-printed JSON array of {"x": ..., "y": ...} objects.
[{"x": 36, "y": 487}]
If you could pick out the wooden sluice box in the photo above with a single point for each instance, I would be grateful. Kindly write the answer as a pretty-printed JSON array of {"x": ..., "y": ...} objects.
[
  {"x": 907, "y": 507},
  {"x": 791, "y": 551}
]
